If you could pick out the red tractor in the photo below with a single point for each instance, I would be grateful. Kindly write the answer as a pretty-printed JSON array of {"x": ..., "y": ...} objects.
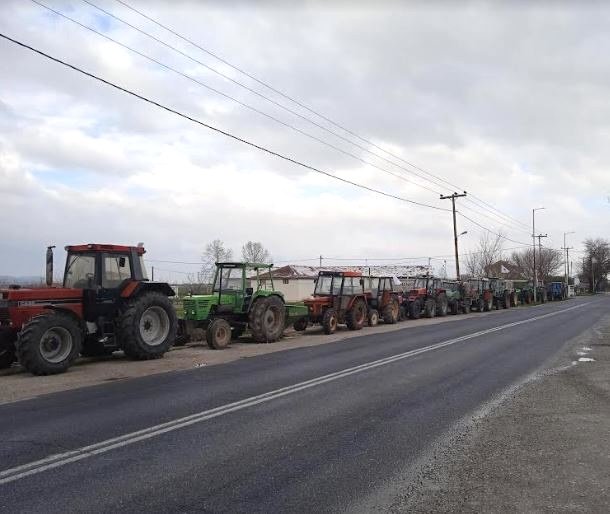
[
  {"x": 338, "y": 297},
  {"x": 428, "y": 297},
  {"x": 383, "y": 298},
  {"x": 106, "y": 304}
]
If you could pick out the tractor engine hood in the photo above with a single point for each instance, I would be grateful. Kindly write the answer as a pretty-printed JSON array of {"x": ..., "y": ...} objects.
[{"x": 42, "y": 294}]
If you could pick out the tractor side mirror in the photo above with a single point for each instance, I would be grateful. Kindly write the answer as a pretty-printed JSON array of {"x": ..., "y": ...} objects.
[
  {"x": 249, "y": 291},
  {"x": 122, "y": 262}
]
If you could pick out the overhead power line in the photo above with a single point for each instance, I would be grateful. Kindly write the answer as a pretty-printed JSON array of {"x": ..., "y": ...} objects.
[
  {"x": 491, "y": 231},
  {"x": 225, "y": 95},
  {"x": 239, "y": 102},
  {"x": 316, "y": 113},
  {"x": 216, "y": 129}
]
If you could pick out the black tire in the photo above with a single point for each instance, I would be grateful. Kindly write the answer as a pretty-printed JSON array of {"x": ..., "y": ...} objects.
[
  {"x": 7, "y": 349},
  {"x": 218, "y": 334},
  {"x": 488, "y": 305},
  {"x": 442, "y": 305},
  {"x": 237, "y": 332},
  {"x": 430, "y": 308},
  {"x": 329, "y": 321},
  {"x": 300, "y": 325},
  {"x": 391, "y": 313},
  {"x": 95, "y": 349},
  {"x": 147, "y": 327},
  {"x": 373, "y": 317},
  {"x": 356, "y": 316},
  {"x": 415, "y": 309},
  {"x": 49, "y": 344},
  {"x": 453, "y": 307},
  {"x": 267, "y": 319}
]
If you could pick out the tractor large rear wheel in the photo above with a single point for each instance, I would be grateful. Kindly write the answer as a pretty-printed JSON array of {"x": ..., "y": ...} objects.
[
  {"x": 49, "y": 343},
  {"x": 147, "y": 327},
  {"x": 267, "y": 319},
  {"x": 7, "y": 349},
  {"x": 356, "y": 316},
  {"x": 391, "y": 312}
]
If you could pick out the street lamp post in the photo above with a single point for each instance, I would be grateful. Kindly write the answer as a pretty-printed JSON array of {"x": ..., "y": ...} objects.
[
  {"x": 567, "y": 257},
  {"x": 534, "y": 249}
]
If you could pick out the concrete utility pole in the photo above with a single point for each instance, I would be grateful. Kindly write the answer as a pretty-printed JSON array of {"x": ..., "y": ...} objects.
[
  {"x": 534, "y": 248},
  {"x": 455, "y": 234},
  {"x": 540, "y": 236},
  {"x": 320, "y": 261}
]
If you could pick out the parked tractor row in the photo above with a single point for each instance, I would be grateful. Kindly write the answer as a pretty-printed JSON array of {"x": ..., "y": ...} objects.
[{"x": 107, "y": 303}]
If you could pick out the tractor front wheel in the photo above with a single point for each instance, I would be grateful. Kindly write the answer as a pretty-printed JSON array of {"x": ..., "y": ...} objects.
[
  {"x": 356, "y": 316},
  {"x": 267, "y": 319},
  {"x": 7, "y": 349},
  {"x": 329, "y": 321},
  {"x": 430, "y": 308},
  {"x": 49, "y": 343},
  {"x": 147, "y": 327},
  {"x": 300, "y": 325},
  {"x": 442, "y": 305},
  {"x": 373, "y": 317},
  {"x": 415, "y": 309},
  {"x": 218, "y": 334}
]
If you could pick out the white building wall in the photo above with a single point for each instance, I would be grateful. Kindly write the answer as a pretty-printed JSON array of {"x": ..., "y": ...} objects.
[{"x": 295, "y": 290}]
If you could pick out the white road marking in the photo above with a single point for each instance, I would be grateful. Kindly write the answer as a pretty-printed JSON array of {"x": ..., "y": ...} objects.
[{"x": 61, "y": 459}]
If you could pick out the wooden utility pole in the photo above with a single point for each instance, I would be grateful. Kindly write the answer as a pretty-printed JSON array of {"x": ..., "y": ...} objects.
[{"x": 455, "y": 234}]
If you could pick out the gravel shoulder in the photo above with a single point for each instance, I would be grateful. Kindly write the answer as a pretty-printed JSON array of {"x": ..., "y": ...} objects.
[{"x": 543, "y": 447}]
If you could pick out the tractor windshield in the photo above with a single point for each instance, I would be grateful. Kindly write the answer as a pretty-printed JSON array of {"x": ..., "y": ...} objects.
[
  {"x": 372, "y": 284},
  {"x": 421, "y": 283},
  {"x": 80, "y": 271},
  {"x": 229, "y": 279},
  {"x": 324, "y": 285}
]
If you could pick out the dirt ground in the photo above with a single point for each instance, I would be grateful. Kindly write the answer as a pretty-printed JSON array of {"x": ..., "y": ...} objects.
[
  {"x": 543, "y": 448},
  {"x": 16, "y": 384}
]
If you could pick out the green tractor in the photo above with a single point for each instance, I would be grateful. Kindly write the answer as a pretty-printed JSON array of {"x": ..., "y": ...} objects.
[{"x": 234, "y": 307}]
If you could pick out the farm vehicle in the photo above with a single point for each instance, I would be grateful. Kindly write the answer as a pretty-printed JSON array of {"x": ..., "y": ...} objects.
[
  {"x": 338, "y": 298},
  {"x": 383, "y": 298},
  {"x": 524, "y": 291},
  {"x": 458, "y": 296},
  {"x": 428, "y": 297},
  {"x": 504, "y": 295},
  {"x": 556, "y": 291},
  {"x": 106, "y": 303},
  {"x": 481, "y": 294},
  {"x": 234, "y": 307}
]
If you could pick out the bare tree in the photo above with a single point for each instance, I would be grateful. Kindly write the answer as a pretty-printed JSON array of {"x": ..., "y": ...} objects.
[
  {"x": 253, "y": 251},
  {"x": 596, "y": 263},
  {"x": 548, "y": 262},
  {"x": 214, "y": 252},
  {"x": 488, "y": 252}
]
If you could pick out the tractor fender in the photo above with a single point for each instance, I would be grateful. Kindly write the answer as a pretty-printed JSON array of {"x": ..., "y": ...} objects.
[
  {"x": 80, "y": 321},
  {"x": 133, "y": 288}
]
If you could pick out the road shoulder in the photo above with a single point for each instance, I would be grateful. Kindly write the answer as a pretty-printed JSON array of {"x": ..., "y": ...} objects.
[{"x": 543, "y": 447}]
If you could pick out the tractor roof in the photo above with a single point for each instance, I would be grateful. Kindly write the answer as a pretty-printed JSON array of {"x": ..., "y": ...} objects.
[
  {"x": 95, "y": 247},
  {"x": 247, "y": 265}
]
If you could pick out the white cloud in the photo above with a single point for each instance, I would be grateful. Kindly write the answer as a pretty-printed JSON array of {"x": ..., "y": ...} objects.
[{"x": 509, "y": 104}]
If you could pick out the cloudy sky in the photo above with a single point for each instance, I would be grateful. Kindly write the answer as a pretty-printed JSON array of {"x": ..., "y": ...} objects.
[{"x": 509, "y": 103}]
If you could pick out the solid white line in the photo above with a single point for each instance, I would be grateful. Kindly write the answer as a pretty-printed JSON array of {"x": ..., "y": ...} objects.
[{"x": 61, "y": 459}]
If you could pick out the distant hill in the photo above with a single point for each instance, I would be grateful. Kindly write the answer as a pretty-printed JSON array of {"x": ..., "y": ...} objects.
[{"x": 24, "y": 280}]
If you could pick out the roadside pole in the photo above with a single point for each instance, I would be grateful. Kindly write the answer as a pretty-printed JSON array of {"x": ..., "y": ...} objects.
[
  {"x": 534, "y": 249},
  {"x": 455, "y": 234}
]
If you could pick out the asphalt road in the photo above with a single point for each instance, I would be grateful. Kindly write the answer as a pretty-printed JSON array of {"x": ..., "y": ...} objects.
[{"x": 322, "y": 428}]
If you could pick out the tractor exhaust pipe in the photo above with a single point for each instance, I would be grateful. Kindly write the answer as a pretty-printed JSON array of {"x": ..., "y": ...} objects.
[{"x": 49, "y": 273}]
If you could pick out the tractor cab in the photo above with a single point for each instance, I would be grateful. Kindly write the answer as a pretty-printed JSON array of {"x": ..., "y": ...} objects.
[{"x": 383, "y": 299}]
